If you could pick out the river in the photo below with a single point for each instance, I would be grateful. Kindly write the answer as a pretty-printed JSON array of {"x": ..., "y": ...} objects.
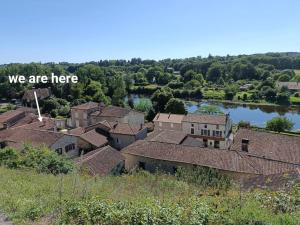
[{"x": 256, "y": 115}]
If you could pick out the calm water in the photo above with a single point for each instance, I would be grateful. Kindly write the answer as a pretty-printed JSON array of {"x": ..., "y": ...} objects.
[{"x": 256, "y": 115}]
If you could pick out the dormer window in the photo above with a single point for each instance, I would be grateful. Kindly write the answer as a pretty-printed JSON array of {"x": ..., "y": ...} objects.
[{"x": 205, "y": 125}]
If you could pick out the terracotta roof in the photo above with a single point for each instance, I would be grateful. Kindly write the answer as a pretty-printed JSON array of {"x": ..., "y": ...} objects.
[
  {"x": 269, "y": 145},
  {"x": 46, "y": 124},
  {"x": 34, "y": 137},
  {"x": 169, "y": 118},
  {"x": 4, "y": 117},
  {"x": 29, "y": 118},
  {"x": 94, "y": 138},
  {"x": 124, "y": 128},
  {"x": 193, "y": 142},
  {"x": 101, "y": 161},
  {"x": 77, "y": 131},
  {"x": 41, "y": 93},
  {"x": 86, "y": 106},
  {"x": 112, "y": 111},
  {"x": 175, "y": 137},
  {"x": 215, "y": 158},
  {"x": 206, "y": 119}
]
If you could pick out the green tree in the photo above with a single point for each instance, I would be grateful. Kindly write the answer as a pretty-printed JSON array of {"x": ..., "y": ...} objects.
[
  {"x": 279, "y": 124},
  {"x": 119, "y": 90},
  {"x": 160, "y": 98},
  {"x": 215, "y": 72},
  {"x": 176, "y": 106}
]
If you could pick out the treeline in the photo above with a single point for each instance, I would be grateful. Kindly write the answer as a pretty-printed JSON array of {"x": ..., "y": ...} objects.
[{"x": 111, "y": 80}]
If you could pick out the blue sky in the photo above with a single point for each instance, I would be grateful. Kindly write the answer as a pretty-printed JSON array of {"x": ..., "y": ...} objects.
[{"x": 79, "y": 31}]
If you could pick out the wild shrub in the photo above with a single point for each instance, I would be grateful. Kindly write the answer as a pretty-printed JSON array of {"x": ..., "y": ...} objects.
[
  {"x": 203, "y": 176},
  {"x": 41, "y": 159}
]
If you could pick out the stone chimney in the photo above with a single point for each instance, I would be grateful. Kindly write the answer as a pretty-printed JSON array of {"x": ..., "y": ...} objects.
[
  {"x": 245, "y": 145},
  {"x": 101, "y": 106}
]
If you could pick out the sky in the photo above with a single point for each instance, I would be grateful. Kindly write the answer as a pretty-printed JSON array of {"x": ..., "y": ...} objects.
[{"x": 91, "y": 30}]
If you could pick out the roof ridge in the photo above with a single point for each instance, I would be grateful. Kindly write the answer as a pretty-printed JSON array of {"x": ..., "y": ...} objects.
[{"x": 95, "y": 153}]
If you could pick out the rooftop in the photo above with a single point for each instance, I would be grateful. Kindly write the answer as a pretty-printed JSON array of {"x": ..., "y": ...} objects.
[
  {"x": 4, "y": 117},
  {"x": 94, "y": 138},
  {"x": 269, "y": 145},
  {"x": 41, "y": 93},
  {"x": 112, "y": 111},
  {"x": 215, "y": 158},
  {"x": 290, "y": 85},
  {"x": 86, "y": 106},
  {"x": 205, "y": 119},
  {"x": 174, "y": 137},
  {"x": 168, "y": 117},
  {"x": 101, "y": 161}
]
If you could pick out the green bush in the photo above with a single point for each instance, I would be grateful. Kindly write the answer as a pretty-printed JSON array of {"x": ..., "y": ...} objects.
[
  {"x": 203, "y": 176},
  {"x": 41, "y": 159}
]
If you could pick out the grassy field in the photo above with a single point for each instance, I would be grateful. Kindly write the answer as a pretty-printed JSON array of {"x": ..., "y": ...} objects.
[
  {"x": 297, "y": 72},
  {"x": 27, "y": 197}
]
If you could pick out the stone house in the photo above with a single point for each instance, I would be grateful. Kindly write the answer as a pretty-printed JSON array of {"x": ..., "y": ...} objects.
[
  {"x": 80, "y": 114},
  {"x": 59, "y": 142},
  {"x": 119, "y": 114},
  {"x": 102, "y": 162},
  {"x": 92, "y": 113},
  {"x": 213, "y": 130},
  {"x": 168, "y": 121},
  {"x": 28, "y": 98},
  {"x": 249, "y": 157}
]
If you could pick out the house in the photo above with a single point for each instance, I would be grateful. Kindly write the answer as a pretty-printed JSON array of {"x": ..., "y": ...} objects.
[
  {"x": 292, "y": 86},
  {"x": 102, "y": 161},
  {"x": 245, "y": 87},
  {"x": 122, "y": 134},
  {"x": 273, "y": 146},
  {"x": 213, "y": 130},
  {"x": 236, "y": 163},
  {"x": 10, "y": 118},
  {"x": 119, "y": 114},
  {"x": 168, "y": 121},
  {"x": 28, "y": 98},
  {"x": 59, "y": 142},
  {"x": 91, "y": 113},
  {"x": 80, "y": 114}
]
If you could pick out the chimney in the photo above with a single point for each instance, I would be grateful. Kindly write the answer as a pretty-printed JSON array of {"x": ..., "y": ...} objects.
[
  {"x": 101, "y": 106},
  {"x": 245, "y": 144}
]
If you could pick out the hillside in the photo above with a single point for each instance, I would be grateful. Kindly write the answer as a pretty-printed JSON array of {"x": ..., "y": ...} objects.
[{"x": 141, "y": 198}]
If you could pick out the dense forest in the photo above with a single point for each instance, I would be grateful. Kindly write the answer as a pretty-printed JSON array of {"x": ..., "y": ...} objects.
[{"x": 167, "y": 81}]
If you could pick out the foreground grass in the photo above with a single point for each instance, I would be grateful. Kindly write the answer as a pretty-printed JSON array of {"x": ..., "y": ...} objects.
[{"x": 27, "y": 197}]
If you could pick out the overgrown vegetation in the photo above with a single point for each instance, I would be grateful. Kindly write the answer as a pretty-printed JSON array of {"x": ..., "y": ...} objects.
[
  {"x": 140, "y": 198},
  {"x": 41, "y": 159}
]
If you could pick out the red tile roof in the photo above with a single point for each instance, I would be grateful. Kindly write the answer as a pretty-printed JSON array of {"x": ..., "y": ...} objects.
[
  {"x": 34, "y": 137},
  {"x": 113, "y": 111},
  {"x": 269, "y": 145},
  {"x": 94, "y": 138},
  {"x": 215, "y": 158},
  {"x": 101, "y": 161},
  {"x": 174, "y": 137},
  {"x": 168, "y": 118},
  {"x": 205, "y": 119},
  {"x": 5, "y": 117},
  {"x": 86, "y": 106},
  {"x": 46, "y": 124},
  {"x": 29, "y": 118}
]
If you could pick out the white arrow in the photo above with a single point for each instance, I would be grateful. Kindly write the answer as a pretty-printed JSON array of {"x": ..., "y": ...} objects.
[{"x": 38, "y": 107}]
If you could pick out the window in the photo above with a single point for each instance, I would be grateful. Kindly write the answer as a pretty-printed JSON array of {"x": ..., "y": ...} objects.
[
  {"x": 76, "y": 115},
  {"x": 217, "y": 127},
  {"x": 77, "y": 123},
  {"x": 192, "y": 125},
  {"x": 217, "y": 144},
  {"x": 142, "y": 165},
  {"x": 192, "y": 130},
  {"x": 70, "y": 147},
  {"x": 58, "y": 151},
  {"x": 205, "y": 132},
  {"x": 205, "y": 142},
  {"x": 205, "y": 126}
]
